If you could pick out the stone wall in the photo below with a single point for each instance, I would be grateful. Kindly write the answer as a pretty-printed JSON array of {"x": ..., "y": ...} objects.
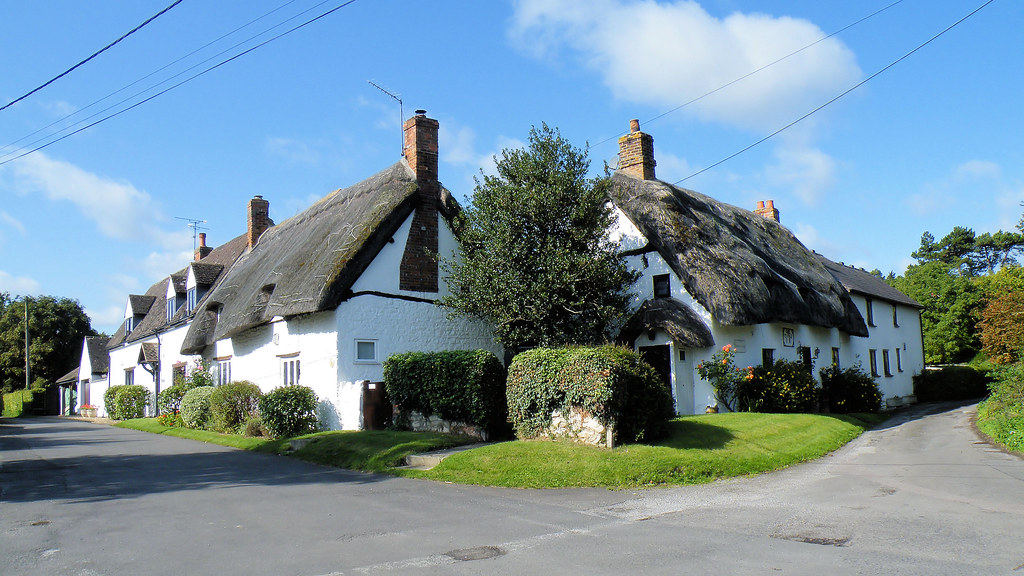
[
  {"x": 420, "y": 423},
  {"x": 580, "y": 426}
]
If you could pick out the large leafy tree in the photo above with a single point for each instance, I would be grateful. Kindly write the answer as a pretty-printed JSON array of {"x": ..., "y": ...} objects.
[
  {"x": 537, "y": 263},
  {"x": 950, "y": 313},
  {"x": 1002, "y": 328},
  {"x": 56, "y": 329}
]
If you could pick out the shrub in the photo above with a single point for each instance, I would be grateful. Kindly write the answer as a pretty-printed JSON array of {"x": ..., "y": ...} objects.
[
  {"x": 1001, "y": 416},
  {"x": 195, "y": 407},
  {"x": 950, "y": 383},
  {"x": 108, "y": 401},
  {"x": 170, "y": 398},
  {"x": 254, "y": 428},
  {"x": 611, "y": 383},
  {"x": 850, "y": 390},
  {"x": 785, "y": 387},
  {"x": 289, "y": 411},
  {"x": 171, "y": 419},
  {"x": 465, "y": 386},
  {"x": 232, "y": 404},
  {"x": 131, "y": 401}
]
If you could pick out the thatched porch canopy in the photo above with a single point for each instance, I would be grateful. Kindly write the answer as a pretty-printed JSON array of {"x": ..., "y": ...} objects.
[{"x": 672, "y": 316}]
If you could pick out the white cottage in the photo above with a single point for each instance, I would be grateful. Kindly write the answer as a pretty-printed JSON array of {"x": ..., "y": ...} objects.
[
  {"x": 323, "y": 298},
  {"x": 714, "y": 274}
]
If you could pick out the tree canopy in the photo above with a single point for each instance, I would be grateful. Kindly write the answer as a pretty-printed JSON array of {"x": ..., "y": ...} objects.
[
  {"x": 537, "y": 263},
  {"x": 57, "y": 327}
]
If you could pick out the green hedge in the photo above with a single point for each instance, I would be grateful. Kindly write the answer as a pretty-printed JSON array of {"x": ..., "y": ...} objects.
[
  {"x": 233, "y": 404},
  {"x": 289, "y": 411},
  {"x": 951, "y": 383},
  {"x": 108, "y": 401},
  {"x": 850, "y": 390},
  {"x": 130, "y": 402},
  {"x": 786, "y": 387},
  {"x": 18, "y": 403},
  {"x": 1001, "y": 416},
  {"x": 465, "y": 386},
  {"x": 195, "y": 407},
  {"x": 612, "y": 383}
]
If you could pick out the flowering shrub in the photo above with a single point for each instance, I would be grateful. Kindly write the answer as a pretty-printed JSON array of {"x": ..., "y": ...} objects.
[
  {"x": 195, "y": 407},
  {"x": 786, "y": 387},
  {"x": 171, "y": 419},
  {"x": 849, "y": 390},
  {"x": 724, "y": 377}
]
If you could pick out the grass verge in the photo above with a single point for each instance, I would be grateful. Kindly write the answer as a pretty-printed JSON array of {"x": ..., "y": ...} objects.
[
  {"x": 698, "y": 449},
  {"x": 1002, "y": 422}
]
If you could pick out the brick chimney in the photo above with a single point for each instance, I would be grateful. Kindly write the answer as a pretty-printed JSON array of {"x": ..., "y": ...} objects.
[
  {"x": 203, "y": 250},
  {"x": 258, "y": 219},
  {"x": 768, "y": 211},
  {"x": 418, "y": 270},
  {"x": 636, "y": 153}
]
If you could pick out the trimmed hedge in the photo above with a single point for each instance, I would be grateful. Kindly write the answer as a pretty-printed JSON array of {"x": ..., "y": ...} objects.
[
  {"x": 951, "y": 383},
  {"x": 195, "y": 407},
  {"x": 289, "y": 411},
  {"x": 466, "y": 386},
  {"x": 130, "y": 402},
  {"x": 170, "y": 398},
  {"x": 612, "y": 383},
  {"x": 786, "y": 387},
  {"x": 850, "y": 390},
  {"x": 108, "y": 401},
  {"x": 233, "y": 404}
]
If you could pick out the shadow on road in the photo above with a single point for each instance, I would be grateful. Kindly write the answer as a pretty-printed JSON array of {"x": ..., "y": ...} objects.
[{"x": 921, "y": 410}]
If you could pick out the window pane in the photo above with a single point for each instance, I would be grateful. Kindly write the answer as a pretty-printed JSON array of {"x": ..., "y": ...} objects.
[{"x": 366, "y": 350}]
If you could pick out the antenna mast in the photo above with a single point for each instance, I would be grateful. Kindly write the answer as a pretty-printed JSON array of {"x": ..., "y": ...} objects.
[
  {"x": 195, "y": 226},
  {"x": 401, "y": 111}
]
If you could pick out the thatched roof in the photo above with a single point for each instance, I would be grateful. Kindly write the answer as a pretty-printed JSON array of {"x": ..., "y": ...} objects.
[
  {"x": 867, "y": 284},
  {"x": 309, "y": 262},
  {"x": 743, "y": 268},
  {"x": 672, "y": 316}
]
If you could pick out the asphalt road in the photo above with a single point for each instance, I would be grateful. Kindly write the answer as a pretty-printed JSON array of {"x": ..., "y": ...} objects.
[{"x": 921, "y": 495}]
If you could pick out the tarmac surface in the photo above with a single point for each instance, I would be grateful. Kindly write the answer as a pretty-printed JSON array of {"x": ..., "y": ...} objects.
[{"x": 922, "y": 494}]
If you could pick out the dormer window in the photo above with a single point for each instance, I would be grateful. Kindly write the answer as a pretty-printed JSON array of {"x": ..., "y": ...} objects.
[
  {"x": 170, "y": 309},
  {"x": 191, "y": 299},
  {"x": 129, "y": 325},
  {"x": 662, "y": 286}
]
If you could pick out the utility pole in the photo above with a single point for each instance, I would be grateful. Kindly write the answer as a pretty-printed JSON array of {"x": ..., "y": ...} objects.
[{"x": 27, "y": 363}]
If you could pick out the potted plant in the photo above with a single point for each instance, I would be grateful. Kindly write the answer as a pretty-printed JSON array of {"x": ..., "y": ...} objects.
[{"x": 87, "y": 410}]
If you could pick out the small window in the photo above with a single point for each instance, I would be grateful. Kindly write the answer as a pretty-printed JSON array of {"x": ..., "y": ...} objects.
[
  {"x": 869, "y": 307},
  {"x": 874, "y": 362},
  {"x": 366, "y": 351},
  {"x": 290, "y": 372},
  {"x": 895, "y": 317},
  {"x": 768, "y": 357},
  {"x": 178, "y": 373},
  {"x": 129, "y": 325},
  {"x": 899, "y": 361},
  {"x": 885, "y": 363},
  {"x": 662, "y": 286},
  {"x": 170, "y": 309},
  {"x": 129, "y": 376},
  {"x": 805, "y": 357},
  {"x": 223, "y": 372},
  {"x": 191, "y": 301},
  {"x": 835, "y": 358}
]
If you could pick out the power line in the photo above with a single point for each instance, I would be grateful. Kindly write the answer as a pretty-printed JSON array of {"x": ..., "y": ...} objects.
[
  {"x": 762, "y": 68},
  {"x": 844, "y": 93},
  {"x": 94, "y": 54},
  {"x": 172, "y": 87},
  {"x": 153, "y": 73}
]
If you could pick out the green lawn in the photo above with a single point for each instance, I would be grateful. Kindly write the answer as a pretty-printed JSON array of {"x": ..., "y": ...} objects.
[{"x": 699, "y": 449}]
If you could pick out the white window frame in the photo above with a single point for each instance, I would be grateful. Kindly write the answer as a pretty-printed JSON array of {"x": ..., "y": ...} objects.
[
  {"x": 291, "y": 371},
  {"x": 223, "y": 372},
  {"x": 191, "y": 299},
  {"x": 376, "y": 351},
  {"x": 171, "y": 308},
  {"x": 129, "y": 376}
]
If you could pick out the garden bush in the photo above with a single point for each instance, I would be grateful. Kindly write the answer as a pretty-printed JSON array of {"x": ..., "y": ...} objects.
[
  {"x": 131, "y": 401},
  {"x": 784, "y": 387},
  {"x": 612, "y": 383},
  {"x": 170, "y": 398},
  {"x": 950, "y": 383},
  {"x": 289, "y": 411},
  {"x": 466, "y": 386},
  {"x": 108, "y": 401},
  {"x": 254, "y": 428},
  {"x": 195, "y": 407},
  {"x": 232, "y": 404},
  {"x": 849, "y": 390},
  {"x": 1001, "y": 416}
]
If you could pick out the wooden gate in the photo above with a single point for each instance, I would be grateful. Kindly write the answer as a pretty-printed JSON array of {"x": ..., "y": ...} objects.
[{"x": 377, "y": 409}]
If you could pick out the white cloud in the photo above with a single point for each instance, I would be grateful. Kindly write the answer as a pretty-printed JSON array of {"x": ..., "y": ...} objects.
[
  {"x": 457, "y": 144},
  {"x": 20, "y": 285},
  {"x": 118, "y": 209},
  {"x": 665, "y": 54},
  {"x": 107, "y": 318},
  {"x": 806, "y": 171},
  {"x": 811, "y": 238},
  {"x": 59, "y": 108},
  {"x": 292, "y": 150},
  {"x": 981, "y": 180}
]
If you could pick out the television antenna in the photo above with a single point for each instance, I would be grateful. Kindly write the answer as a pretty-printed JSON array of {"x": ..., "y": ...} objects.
[
  {"x": 401, "y": 110},
  {"x": 195, "y": 226}
]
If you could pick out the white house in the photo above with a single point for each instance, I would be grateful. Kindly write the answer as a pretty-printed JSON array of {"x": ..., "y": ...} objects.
[
  {"x": 323, "y": 298},
  {"x": 714, "y": 274}
]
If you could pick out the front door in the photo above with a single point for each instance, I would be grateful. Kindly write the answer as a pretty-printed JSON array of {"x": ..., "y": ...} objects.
[{"x": 660, "y": 358}]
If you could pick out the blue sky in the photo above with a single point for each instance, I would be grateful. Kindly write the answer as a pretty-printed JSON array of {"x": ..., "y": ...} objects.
[{"x": 932, "y": 143}]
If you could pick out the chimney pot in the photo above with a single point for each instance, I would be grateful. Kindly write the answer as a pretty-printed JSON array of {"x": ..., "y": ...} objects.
[
  {"x": 760, "y": 204},
  {"x": 768, "y": 211},
  {"x": 202, "y": 251},
  {"x": 634, "y": 125}
]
